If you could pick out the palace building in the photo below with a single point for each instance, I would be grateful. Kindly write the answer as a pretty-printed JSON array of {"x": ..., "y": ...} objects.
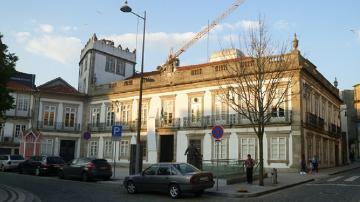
[{"x": 180, "y": 106}]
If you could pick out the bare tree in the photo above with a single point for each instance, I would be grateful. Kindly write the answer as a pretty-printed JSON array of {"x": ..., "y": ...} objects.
[{"x": 258, "y": 85}]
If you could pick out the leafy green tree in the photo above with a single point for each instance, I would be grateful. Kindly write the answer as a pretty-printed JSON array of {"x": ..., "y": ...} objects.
[{"x": 7, "y": 69}]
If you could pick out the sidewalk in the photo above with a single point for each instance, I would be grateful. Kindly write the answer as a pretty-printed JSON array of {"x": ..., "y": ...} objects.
[
  {"x": 243, "y": 190},
  {"x": 285, "y": 180}
]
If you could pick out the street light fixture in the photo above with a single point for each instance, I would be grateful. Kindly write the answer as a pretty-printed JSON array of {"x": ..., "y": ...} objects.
[{"x": 138, "y": 164}]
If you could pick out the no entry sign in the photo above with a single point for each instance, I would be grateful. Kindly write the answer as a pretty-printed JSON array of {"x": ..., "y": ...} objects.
[{"x": 217, "y": 132}]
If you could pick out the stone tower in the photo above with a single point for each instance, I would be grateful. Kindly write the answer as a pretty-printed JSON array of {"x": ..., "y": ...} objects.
[{"x": 103, "y": 63}]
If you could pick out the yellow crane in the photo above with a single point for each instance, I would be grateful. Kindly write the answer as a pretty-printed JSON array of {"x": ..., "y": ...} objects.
[{"x": 174, "y": 56}]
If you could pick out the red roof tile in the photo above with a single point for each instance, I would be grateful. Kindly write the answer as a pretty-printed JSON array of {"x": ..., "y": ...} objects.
[
  {"x": 17, "y": 86},
  {"x": 59, "y": 89}
]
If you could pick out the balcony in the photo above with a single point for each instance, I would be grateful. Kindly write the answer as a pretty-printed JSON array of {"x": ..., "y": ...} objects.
[
  {"x": 18, "y": 114},
  {"x": 9, "y": 141},
  {"x": 107, "y": 127},
  {"x": 59, "y": 126},
  {"x": 230, "y": 120},
  {"x": 314, "y": 121},
  {"x": 164, "y": 123}
]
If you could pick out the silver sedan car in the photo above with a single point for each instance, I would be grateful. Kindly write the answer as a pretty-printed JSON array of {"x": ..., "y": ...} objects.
[{"x": 173, "y": 178}]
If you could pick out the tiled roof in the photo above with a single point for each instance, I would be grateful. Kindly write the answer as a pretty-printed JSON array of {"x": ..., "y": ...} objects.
[
  {"x": 58, "y": 85},
  {"x": 58, "y": 89},
  {"x": 18, "y": 86}
]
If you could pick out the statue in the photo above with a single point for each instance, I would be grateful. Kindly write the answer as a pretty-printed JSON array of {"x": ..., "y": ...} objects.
[{"x": 193, "y": 156}]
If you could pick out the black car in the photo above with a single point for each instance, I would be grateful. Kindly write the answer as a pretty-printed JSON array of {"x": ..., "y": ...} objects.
[
  {"x": 86, "y": 169},
  {"x": 41, "y": 165},
  {"x": 173, "y": 178}
]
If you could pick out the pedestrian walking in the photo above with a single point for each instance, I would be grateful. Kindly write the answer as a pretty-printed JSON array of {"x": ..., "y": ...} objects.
[
  {"x": 302, "y": 165},
  {"x": 249, "y": 164},
  {"x": 314, "y": 165}
]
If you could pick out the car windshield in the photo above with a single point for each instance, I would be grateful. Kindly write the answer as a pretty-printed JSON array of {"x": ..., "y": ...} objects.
[
  {"x": 16, "y": 157},
  {"x": 55, "y": 160},
  {"x": 185, "y": 168}
]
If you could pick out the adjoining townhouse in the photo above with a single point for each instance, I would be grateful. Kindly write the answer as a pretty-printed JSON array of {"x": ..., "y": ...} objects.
[
  {"x": 180, "y": 106},
  {"x": 19, "y": 118},
  {"x": 58, "y": 118}
]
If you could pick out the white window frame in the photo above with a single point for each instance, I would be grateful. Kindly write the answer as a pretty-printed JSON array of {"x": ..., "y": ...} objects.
[
  {"x": 110, "y": 116},
  {"x": 220, "y": 108},
  {"x": 93, "y": 148},
  {"x": 196, "y": 109},
  {"x": 167, "y": 111},
  {"x": 125, "y": 113},
  {"x": 47, "y": 146},
  {"x": 144, "y": 113},
  {"x": 223, "y": 150},
  {"x": 49, "y": 115},
  {"x": 248, "y": 145},
  {"x": 275, "y": 148},
  {"x": 69, "y": 122},
  {"x": 95, "y": 116},
  {"x": 108, "y": 148},
  {"x": 124, "y": 149}
]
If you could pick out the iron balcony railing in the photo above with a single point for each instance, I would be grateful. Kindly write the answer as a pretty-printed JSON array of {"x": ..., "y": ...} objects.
[
  {"x": 315, "y": 121},
  {"x": 230, "y": 120},
  {"x": 167, "y": 123},
  {"x": 59, "y": 126}
]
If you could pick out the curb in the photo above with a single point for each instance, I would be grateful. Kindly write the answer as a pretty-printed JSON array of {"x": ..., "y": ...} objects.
[
  {"x": 343, "y": 171},
  {"x": 232, "y": 195}
]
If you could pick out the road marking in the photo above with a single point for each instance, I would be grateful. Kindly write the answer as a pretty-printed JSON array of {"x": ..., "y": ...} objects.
[
  {"x": 341, "y": 185},
  {"x": 350, "y": 179},
  {"x": 334, "y": 178}
]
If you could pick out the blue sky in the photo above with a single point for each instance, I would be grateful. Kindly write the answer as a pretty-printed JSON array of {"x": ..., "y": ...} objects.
[{"x": 47, "y": 36}]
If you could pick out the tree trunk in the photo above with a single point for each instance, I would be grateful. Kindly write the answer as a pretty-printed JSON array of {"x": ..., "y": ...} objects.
[{"x": 261, "y": 159}]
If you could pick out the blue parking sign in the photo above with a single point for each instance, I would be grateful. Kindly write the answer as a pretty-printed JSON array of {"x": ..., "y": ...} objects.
[{"x": 116, "y": 131}]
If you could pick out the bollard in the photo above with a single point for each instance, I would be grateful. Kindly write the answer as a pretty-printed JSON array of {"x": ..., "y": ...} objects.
[{"x": 274, "y": 176}]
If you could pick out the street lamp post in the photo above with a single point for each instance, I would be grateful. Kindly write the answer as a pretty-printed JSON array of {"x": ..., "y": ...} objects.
[{"x": 138, "y": 164}]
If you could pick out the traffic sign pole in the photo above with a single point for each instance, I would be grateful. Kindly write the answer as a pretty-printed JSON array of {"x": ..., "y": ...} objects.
[
  {"x": 116, "y": 134},
  {"x": 217, "y": 133}
]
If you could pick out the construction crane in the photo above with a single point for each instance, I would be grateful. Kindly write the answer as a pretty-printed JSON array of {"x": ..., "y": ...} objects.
[{"x": 200, "y": 34}]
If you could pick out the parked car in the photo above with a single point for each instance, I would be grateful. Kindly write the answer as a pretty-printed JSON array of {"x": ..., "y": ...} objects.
[
  {"x": 87, "y": 169},
  {"x": 42, "y": 165},
  {"x": 173, "y": 178},
  {"x": 8, "y": 162}
]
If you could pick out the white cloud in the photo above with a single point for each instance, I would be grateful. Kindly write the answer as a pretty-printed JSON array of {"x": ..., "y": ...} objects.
[
  {"x": 22, "y": 37},
  {"x": 157, "y": 41},
  {"x": 59, "y": 48},
  {"x": 46, "y": 28},
  {"x": 282, "y": 25},
  {"x": 248, "y": 24},
  {"x": 68, "y": 28}
]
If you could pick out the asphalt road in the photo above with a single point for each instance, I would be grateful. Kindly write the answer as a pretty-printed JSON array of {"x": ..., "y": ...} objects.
[{"x": 341, "y": 187}]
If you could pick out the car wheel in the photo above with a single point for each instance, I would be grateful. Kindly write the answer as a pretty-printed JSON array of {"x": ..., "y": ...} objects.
[
  {"x": 199, "y": 193},
  {"x": 174, "y": 191},
  {"x": 131, "y": 187},
  {"x": 84, "y": 177},
  {"x": 3, "y": 168},
  {"x": 61, "y": 175}
]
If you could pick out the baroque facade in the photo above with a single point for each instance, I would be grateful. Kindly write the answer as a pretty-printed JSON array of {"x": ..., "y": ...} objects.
[{"x": 180, "y": 106}]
